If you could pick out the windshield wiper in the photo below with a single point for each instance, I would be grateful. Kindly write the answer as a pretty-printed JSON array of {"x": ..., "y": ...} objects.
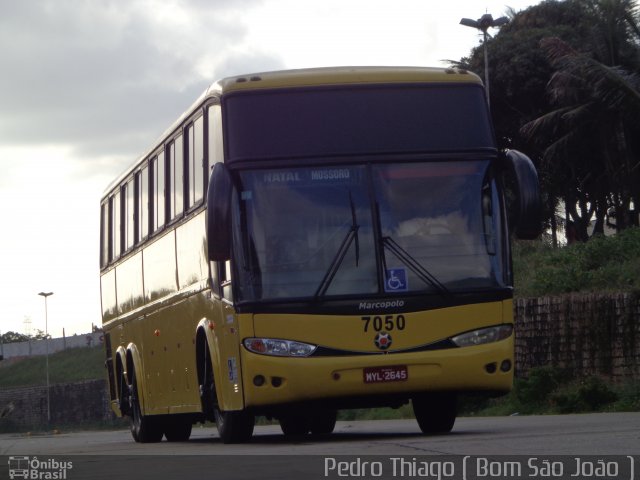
[
  {"x": 415, "y": 266},
  {"x": 352, "y": 235},
  {"x": 406, "y": 258}
]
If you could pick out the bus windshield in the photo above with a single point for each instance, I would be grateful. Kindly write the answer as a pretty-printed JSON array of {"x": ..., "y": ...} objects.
[{"x": 389, "y": 228}]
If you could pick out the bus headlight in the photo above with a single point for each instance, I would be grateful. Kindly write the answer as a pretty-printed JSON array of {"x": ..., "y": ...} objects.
[
  {"x": 483, "y": 335},
  {"x": 278, "y": 347}
]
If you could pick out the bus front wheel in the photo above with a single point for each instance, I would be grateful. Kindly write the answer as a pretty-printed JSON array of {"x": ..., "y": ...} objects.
[
  {"x": 294, "y": 423},
  {"x": 435, "y": 411},
  {"x": 297, "y": 422},
  {"x": 177, "y": 428},
  {"x": 234, "y": 426},
  {"x": 323, "y": 422}
]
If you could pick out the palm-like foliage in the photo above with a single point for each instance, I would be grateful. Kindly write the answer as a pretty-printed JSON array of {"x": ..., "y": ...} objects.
[{"x": 591, "y": 137}]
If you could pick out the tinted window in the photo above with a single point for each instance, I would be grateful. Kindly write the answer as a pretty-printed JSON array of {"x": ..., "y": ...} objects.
[
  {"x": 104, "y": 234},
  {"x": 176, "y": 178},
  {"x": 143, "y": 206},
  {"x": 366, "y": 120},
  {"x": 129, "y": 214},
  {"x": 114, "y": 206},
  {"x": 158, "y": 185}
]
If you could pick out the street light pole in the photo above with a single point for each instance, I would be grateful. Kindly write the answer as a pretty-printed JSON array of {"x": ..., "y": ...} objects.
[
  {"x": 483, "y": 24},
  {"x": 46, "y": 339}
]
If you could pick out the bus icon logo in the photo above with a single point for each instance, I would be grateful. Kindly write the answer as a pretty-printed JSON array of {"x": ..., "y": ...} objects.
[
  {"x": 396, "y": 280},
  {"x": 18, "y": 467}
]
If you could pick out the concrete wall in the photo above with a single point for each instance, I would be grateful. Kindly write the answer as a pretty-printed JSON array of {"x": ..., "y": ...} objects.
[
  {"x": 39, "y": 347},
  {"x": 73, "y": 403},
  {"x": 589, "y": 334}
]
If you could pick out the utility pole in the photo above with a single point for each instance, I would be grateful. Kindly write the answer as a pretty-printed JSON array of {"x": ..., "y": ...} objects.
[
  {"x": 483, "y": 24},
  {"x": 46, "y": 339}
]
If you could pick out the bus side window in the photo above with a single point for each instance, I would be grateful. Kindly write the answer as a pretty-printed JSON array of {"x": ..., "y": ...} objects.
[
  {"x": 224, "y": 269},
  {"x": 194, "y": 164},
  {"x": 221, "y": 279},
  {"x": 176, "y": 178},
  {"x": 142, "y": 201},
  {"x": 105, "y": 247},
  {"x": 214, "y": 135},
  {"x": 128, "y": 218},
  {"x": 158, "y": 192},
  {"x": 114, "y": 214}
]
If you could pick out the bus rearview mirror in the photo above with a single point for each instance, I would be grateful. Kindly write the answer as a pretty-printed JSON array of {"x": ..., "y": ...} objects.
[
  {"x": 528, "y": 225},
  {"x": 219, "y": 214}
]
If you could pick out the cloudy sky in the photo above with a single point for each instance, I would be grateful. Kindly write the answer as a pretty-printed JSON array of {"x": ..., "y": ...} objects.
[{"x": 88, "y": 85}]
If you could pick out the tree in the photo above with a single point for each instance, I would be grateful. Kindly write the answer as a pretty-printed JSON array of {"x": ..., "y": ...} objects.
[
  {"x": 519, "y": 74},
  {"x": 14, "y": 337},
  {"x": 578, "y": 127},
  {"x": 595, "y": 118}
]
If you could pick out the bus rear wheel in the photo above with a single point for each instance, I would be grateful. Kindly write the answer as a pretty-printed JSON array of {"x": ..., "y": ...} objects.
[
  {"x": 234, "y": 426},
  {"x": 435, "y": 411},
  {"x": 144, "y": 428}
]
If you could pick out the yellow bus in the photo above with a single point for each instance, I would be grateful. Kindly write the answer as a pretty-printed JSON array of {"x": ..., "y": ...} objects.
[{"x": 305, "y": 241}]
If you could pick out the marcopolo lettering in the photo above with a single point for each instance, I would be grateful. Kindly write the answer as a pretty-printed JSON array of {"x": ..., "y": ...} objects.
[{"x": 381, "y": 305}]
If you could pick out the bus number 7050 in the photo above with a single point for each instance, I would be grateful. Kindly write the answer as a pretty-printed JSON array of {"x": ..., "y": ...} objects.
[{"x": 386, "y": 323}]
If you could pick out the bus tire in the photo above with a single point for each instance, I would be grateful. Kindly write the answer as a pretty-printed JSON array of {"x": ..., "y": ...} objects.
[
  {"x": 144, "y": 428},
  {"x": 177, "y": 428},
  {"x": 323, "y": 422},
  {"x": 435, "y": 411},
  {"x": 205, "y": 379},
  {"x": 295, "y": 423},
  {"x": 234, "y": 426}
]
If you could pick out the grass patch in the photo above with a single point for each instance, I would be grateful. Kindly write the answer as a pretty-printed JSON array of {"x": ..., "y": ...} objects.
[
  {"x": 71, "y": 365},
  {"x": 550, "y": 390},
  {"x": 603, "y": 264}
]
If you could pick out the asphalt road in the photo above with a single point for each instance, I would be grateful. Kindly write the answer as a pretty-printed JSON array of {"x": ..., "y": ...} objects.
[
  {"x": 589, "y": 434},
  {"x": 478, "y": 449}
]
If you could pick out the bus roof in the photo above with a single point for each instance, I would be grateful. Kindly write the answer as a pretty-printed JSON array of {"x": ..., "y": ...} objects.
[
  {"x": 309, "y": 77},
  {"x": 343, "y": 76}
]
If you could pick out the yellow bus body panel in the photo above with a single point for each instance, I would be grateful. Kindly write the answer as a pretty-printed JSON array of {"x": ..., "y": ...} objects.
[
  {"x": 313, "y": 378},
  {"x": 315, "y": 77}
]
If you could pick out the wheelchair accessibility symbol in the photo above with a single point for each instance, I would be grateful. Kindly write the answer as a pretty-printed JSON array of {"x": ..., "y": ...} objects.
[{"x": 396, "y": 280}]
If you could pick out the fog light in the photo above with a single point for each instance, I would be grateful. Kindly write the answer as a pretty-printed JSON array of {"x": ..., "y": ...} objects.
[
  {"x": 505, "y": 366},
  {"x": 258, "y": 380},
  {"x": 491, "y": 367},
  {"x": 276, "y": 381}
]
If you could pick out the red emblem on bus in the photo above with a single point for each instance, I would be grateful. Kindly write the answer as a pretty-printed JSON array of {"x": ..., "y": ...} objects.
[{"x": 382, "y": 340}]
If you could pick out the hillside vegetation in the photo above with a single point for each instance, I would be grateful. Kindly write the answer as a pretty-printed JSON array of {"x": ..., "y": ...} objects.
[
  {"x": 71, "y": 365},
  {"x": 603, "y": 264}
]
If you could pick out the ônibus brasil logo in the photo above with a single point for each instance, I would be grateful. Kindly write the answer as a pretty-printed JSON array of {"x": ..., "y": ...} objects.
[{"x": 32, "y": 468}]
